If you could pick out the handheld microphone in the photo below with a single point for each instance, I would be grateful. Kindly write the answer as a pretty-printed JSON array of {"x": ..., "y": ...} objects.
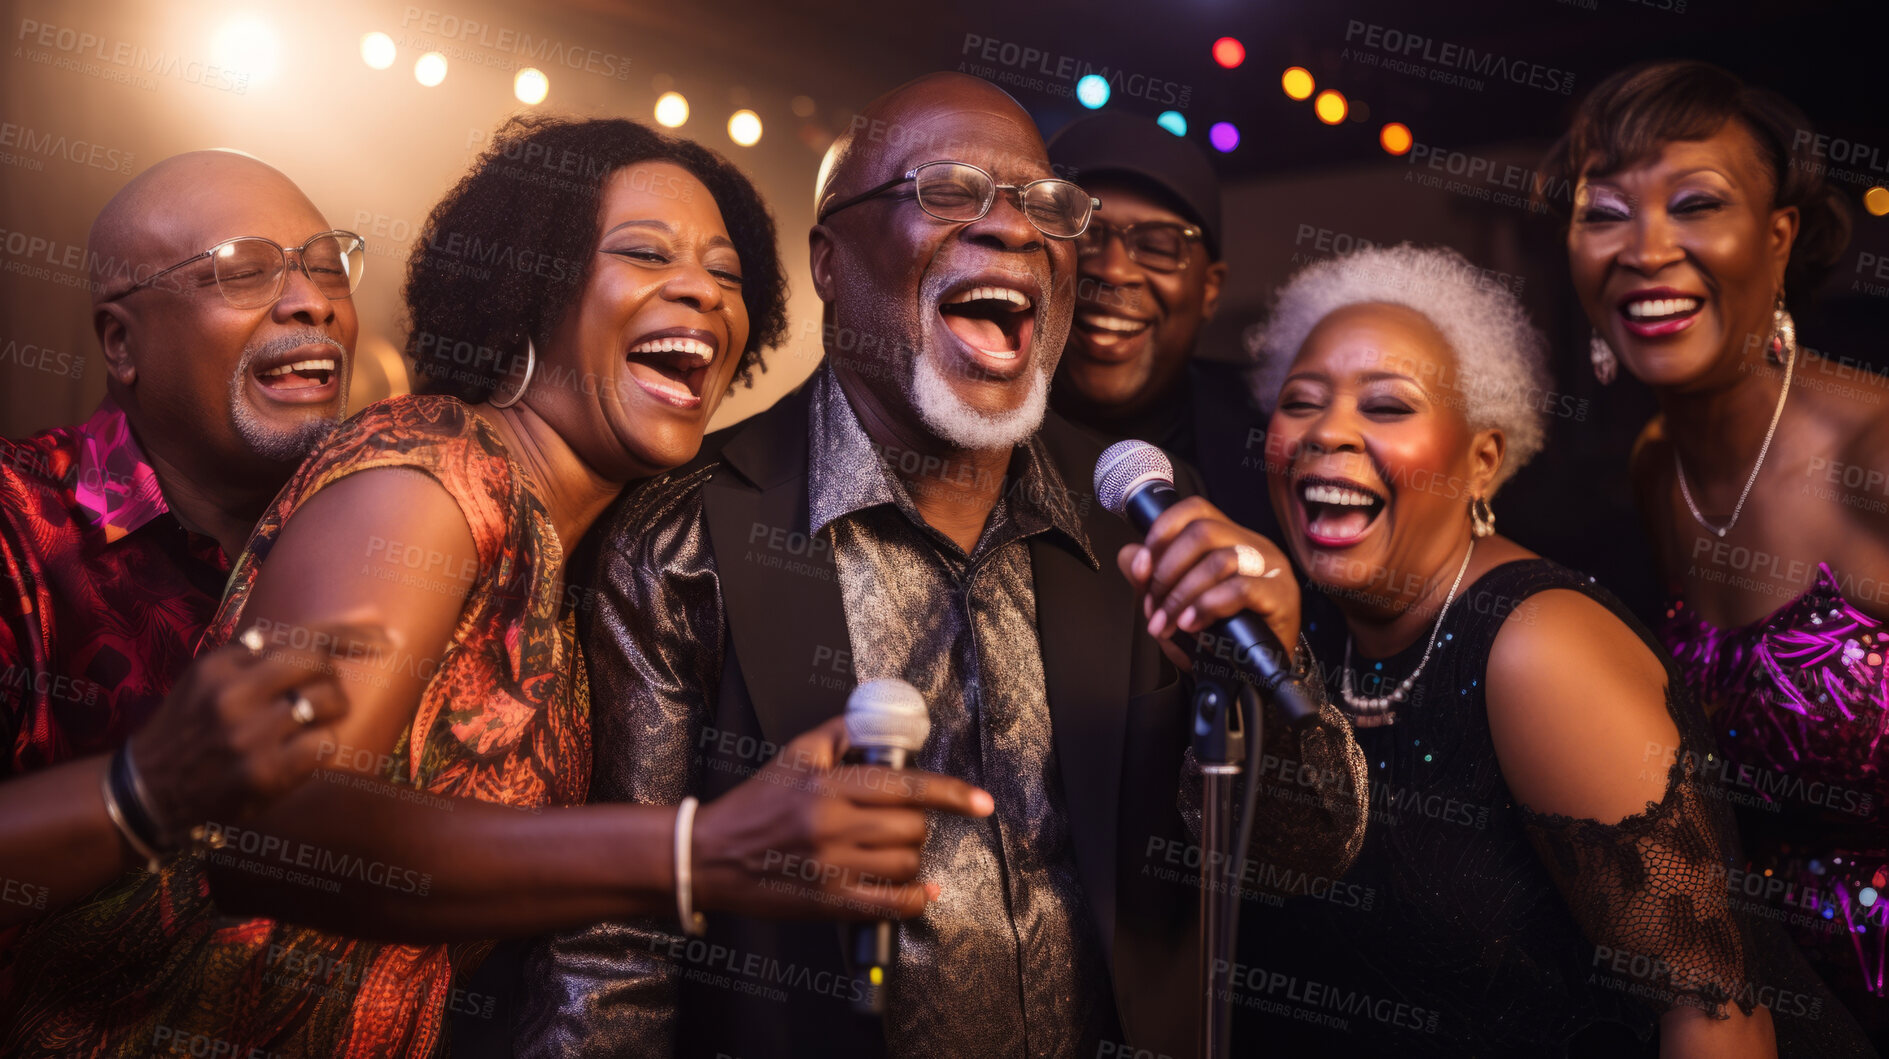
[
  {"x": 886, "y": 724},
  {"x": 1134, "y": 479}
]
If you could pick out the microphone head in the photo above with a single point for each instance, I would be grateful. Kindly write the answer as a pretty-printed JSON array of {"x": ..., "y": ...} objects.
[
  {"x": 1127, "y": 466},
  {"x": 887, "y": 713}
]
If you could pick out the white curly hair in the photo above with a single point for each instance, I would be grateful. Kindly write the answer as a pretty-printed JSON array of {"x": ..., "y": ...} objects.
[{"x": 1501, "y": 378}]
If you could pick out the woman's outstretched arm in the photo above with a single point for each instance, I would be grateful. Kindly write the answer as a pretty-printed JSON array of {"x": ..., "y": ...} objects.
[{"x": 1579, "y": 713}]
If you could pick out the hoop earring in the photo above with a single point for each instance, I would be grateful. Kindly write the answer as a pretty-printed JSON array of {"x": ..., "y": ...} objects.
[
  {"x": 1481, "y": 518},
  {"x": 531, "y": 365},
  {"x": 1783, "y": 344},
  {"x": 1606, "y": 364}
]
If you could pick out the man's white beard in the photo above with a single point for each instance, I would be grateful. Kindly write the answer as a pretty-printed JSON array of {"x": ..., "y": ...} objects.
[{"x": 958, "y": 423}]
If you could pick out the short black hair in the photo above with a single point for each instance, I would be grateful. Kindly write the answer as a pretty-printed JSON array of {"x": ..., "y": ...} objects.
[
  {"x": 506, "y": 253},
  {"x": 1628, "y": 117}
]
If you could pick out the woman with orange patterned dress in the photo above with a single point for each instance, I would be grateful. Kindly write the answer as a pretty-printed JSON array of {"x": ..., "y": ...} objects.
[{"x": 579, "y": 302}]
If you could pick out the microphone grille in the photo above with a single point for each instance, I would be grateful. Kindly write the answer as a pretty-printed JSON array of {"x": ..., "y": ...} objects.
[
  {"x": 889, "y": 713},
  {"x": 1125, "y": 466}
]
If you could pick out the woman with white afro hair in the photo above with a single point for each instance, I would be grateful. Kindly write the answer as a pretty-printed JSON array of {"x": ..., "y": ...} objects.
[
  {"x": 1500, "y": 355},
  {"x": 1545, "y": 856}
]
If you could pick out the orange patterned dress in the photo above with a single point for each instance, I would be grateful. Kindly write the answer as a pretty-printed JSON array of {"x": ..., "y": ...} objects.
[{"x": 147, "y": 966}]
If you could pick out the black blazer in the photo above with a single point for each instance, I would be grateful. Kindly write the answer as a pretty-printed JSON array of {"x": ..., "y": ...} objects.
[{"x": 1118, "y": 708}]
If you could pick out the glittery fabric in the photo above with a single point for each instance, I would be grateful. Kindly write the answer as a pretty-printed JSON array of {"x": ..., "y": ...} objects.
[
  {"x": 1799, "y": 702},
  {"x": 610, "y": 989},
  {"x": 1007, "y": 963},
  {"x": 1472, "y": 926}
]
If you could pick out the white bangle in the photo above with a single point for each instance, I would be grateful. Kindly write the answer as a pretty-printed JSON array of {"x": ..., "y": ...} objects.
[{"x": 692, "y": 922}]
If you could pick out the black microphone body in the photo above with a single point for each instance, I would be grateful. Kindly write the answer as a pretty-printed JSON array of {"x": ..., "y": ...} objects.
[{"x": 1243, "y": 642}]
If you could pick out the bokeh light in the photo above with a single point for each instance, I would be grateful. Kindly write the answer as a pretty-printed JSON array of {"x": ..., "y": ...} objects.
[
  {"x": 744, "y": 127},
  {"x": 1092, "y": 91},
  {"x": 1395, "y": 138},
  {"x": 672, "y": 110},
  {"x": 1298, "y": 83},
  {"x": 1876, "y": 201},
  {"x": 1173, "y": 121},
  {"x": 1223, "y": 136},
  {"x": 377, "y": 50},
  {"x": 430, "y": 69},
  {"x": 245, "y": 44},
  {"x": 1229, "y": 52},
  {"x": 531, "y": 86},
  {"x": 1330, "y": 106}
]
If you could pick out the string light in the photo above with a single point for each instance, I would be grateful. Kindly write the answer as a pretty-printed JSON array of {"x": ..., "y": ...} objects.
[
  {"x": 430, "y": 69},
  {"x": 1298, "y": 83},
  {"x": 377, "y": 50},
  {"x": 531, "y": 86},
  {"x": 672, "y": 110},
  {"x": 744, "y": 127},
  {"x": 1330, "y": 106}
]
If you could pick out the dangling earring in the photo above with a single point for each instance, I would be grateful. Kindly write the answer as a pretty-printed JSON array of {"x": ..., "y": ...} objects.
[
  {"x": 531, "y": 365},
  {"x": 1606, "y": 365},
  {"x": 1481, "y": 518},
  {"x": 1783, "y": 345}
]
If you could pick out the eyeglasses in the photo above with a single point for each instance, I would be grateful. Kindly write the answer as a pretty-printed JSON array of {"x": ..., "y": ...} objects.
[
  {"x": 1160, "y": 245},
  {"x": 960, "y": 192},
  {"x": 250, "y": 269}
]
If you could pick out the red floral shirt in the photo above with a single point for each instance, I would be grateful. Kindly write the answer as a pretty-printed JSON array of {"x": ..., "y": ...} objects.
[{"x": 103, "y": 593}]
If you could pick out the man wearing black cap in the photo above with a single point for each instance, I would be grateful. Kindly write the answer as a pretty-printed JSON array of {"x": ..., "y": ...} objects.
[{"x": 1149, "y": 276}]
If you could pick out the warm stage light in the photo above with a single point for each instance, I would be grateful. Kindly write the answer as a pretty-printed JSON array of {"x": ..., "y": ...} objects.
[
  {"x": 1229, "y": 52},
  {"x": 430, "y": 69},
  {"x": 531, "y": 86},
  {"x": 744, "y": 127},
  {"x": 671, "y": 110},
  {"x": 1092, "y": 91},
  {"x": 1330, "y": 106},
  {"x": 1876, "y": 201},
  {"x": 245, "y": 44},
  {"x": 1395, "y": 137},
  {"x": 1173, "y": 121},
  {"x": 1223, "y": 136},
  {"x": 377, "y": 50},
  {"x": 1297, "y": 82}
]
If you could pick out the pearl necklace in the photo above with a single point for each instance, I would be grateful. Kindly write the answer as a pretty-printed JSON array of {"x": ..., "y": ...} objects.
[
  {"x": 1372, "y": 711},
  {"x": 1680, "y": 469}
]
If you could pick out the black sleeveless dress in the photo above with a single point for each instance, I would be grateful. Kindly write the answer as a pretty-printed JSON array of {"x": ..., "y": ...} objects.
[{"x": 1471, "y": 926}]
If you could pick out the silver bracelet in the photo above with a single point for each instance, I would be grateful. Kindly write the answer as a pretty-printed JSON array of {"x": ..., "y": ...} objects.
[{"x": 692, "y": 922}]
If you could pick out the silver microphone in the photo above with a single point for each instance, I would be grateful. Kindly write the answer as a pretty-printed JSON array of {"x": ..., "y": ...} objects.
[{"x": 886, "y": 725}]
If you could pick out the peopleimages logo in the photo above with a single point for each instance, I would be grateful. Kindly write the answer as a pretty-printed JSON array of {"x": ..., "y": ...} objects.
[{"x": 1414, "y": 47}]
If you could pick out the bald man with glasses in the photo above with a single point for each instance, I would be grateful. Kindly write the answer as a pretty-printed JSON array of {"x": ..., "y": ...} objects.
[{"x": 223, "y": 312}]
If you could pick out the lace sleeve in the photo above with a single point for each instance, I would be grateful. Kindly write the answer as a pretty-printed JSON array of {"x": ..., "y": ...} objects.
[
  {"x": 1650, "y": 894},
  {"x": 1312, "y": 800}
]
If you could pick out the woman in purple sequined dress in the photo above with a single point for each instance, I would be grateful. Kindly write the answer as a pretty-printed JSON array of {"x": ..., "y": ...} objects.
[{"x": 1696, "y": 211}]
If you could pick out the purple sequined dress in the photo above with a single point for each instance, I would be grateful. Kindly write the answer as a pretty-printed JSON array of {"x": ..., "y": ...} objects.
[{"x": 1799, "y": 702}]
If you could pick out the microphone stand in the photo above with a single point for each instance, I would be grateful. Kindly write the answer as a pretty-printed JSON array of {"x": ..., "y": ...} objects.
[{"x": 1220, "y": 747}]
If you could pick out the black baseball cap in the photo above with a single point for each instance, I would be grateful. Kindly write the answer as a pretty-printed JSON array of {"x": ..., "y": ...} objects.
[{"x": 1127, "y": 145}]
